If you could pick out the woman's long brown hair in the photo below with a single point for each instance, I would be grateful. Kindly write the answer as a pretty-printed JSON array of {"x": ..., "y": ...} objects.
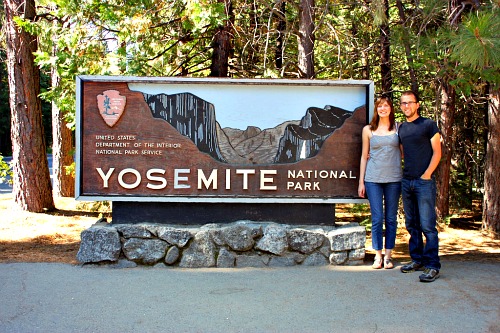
[{"x": 375, "y": 118}]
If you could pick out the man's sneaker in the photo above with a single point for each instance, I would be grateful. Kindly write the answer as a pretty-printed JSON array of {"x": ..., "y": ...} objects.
[
  {"x": 429, "y": 275},
  {"x": 412, "y": 267}
]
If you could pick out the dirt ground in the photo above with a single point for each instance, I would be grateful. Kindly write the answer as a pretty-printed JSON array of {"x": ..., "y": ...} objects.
[{"x": 55, "y": 236}]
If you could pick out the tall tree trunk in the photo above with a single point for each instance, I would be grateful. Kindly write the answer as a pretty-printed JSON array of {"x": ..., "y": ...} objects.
[
  {"x": 385, "y": 54},
  {"x": 361, "y": 54},
  {"x": 447, "y": 107},
  {"x": 406, "y": 43},
  {"x": 491, "y": 199},
  {"x": 466, "y": 134},
  {"x": 5, "y": 142},
  {"x": 447, "y": 114},
  {"x": 222, "y": 48},
  {"x": 278, "y": 55},
  {"x": 306, "y": 39},
  {"x": 32, "y": 188},
  {"x": 365, "y": 60},
  {"x": 62, "y": 146}
]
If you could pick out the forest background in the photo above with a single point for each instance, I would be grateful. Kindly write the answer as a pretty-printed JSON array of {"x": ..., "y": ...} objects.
[{"x": 446, "y": 50}]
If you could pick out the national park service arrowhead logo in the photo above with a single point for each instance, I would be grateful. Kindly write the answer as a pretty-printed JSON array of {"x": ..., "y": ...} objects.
[{"x": 111, "y": 106}]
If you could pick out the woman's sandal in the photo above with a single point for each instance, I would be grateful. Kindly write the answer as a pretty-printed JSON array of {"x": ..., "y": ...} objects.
[
  {"x": 377, "y": 263},
  {"x": 388, "y": 263}
]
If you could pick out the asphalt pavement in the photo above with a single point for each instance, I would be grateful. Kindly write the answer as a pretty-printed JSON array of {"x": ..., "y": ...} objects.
[{"x": 42, "y": 297}]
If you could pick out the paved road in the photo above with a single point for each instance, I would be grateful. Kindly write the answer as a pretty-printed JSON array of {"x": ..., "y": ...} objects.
[
  {"x": 64, "y": 298},
  {"x": 6, "y": 188}
]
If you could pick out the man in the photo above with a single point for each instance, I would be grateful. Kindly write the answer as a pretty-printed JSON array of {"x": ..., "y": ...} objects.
[{"x": 421, "y": 144}]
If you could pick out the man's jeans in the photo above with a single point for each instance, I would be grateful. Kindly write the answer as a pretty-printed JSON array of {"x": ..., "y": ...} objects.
[
  {"x": 383, "y": 195},
  {"x": 419, "y": 201}
]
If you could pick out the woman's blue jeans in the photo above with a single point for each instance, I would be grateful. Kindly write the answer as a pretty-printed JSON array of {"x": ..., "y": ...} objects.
[
  {"x": 419, "y": 201},
  {"x": 383, "y": 195}
]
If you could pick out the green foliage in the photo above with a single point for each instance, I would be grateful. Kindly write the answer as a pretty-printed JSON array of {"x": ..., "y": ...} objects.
[
  {"x": 378, "y": 11},
  {"x": 367, "y": 223},
  {"x": 95, "y": 206},
  {"x": 360, "y": 208},
  {"x": 476, "y": 50},
  {"x": 201, "y": 14},
  {"x": 477, "y": 42},
  {"x": 343, "y": 38},
  {"x": 71, "y": 170},
  {"x": 5, "y": 171}
]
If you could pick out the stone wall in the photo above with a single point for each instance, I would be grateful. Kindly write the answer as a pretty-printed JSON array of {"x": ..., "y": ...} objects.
[{"x": 238, "y": 244}]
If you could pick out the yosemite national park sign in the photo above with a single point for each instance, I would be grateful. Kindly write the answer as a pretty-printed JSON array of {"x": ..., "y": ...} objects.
[{"x": 219, "y": 140}]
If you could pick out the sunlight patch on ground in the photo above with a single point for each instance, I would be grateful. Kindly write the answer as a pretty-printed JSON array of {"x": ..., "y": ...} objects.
[
  {"x": 463, "y": 241},
  {"x": 16, "y": 225}
]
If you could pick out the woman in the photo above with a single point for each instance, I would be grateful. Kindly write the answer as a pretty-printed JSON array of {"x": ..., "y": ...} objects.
[{"x": 380, "y": 178}]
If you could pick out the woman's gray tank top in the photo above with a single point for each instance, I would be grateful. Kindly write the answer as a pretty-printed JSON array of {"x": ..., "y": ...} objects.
[{"x": 384, "y": 164}]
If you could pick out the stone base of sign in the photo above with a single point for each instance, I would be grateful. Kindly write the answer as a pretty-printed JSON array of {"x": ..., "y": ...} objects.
[
  {"x": 237, "y": 244},
  {"x": 202, "y": 213}
]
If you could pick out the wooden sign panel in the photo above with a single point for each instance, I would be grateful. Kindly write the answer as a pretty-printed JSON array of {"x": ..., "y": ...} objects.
[{"x": 219, "y": 140}]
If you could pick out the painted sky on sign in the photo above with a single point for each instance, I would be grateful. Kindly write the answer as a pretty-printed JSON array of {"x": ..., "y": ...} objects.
[{"x": 263, "y": 106}]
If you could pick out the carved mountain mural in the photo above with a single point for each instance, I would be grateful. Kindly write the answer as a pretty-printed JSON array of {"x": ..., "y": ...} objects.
[
  {"x": 288, "y": 142},
  {"x": 252, "y": 145},
  {"x": 305, "y": 139},
  {"x": 192, "y": 116}
]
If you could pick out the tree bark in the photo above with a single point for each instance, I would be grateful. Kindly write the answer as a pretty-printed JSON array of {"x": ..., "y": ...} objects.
[
  {"x": 447, "y": 106},
  {"x": 365, "y": 61},
  {"x": 362, "y": 53},
  {"x": 406, "y": 43},
  {"x": 32, "y": 188},
  {"x": 281, "y": 29},
  {"x": 491, "y": 199},
  {"x": 222, "y": 47},
  {"x": 447, "y": 115},
  {"x": 306, "y": 39},
  {"x": 385, "y": 55},
  {"x": 62, "y": 146}
]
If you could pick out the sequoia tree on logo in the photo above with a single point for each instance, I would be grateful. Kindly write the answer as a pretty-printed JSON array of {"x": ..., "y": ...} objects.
[{"x": 111, "y": 106}]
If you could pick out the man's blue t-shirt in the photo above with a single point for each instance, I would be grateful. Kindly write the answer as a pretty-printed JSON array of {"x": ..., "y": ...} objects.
[{"x": 415, "y": 136}]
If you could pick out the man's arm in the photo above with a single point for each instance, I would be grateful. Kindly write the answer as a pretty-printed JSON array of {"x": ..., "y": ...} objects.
[{"x": 436, "y": 156}]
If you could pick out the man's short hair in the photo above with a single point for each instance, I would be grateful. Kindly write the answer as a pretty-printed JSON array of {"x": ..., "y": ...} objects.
[{"x": 411, "y": 92}]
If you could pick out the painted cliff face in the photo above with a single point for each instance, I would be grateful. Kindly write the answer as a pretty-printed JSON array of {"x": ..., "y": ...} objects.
[{"x": 288, "y": 142}]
